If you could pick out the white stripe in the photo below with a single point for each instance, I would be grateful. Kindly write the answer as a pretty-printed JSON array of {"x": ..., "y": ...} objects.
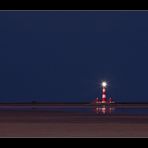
[
  {"x": 103, "y": 96},
  {"x": 104, "y": 90}
]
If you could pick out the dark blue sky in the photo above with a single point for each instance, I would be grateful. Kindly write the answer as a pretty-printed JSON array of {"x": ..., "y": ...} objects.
[{"x": 61, "y": 56}]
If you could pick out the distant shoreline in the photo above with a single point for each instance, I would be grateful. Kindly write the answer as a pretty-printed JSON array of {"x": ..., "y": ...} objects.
[{"x": 69, "y": 104}]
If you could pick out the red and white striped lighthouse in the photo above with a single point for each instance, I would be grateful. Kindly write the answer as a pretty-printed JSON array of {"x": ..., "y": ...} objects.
[{"x": 104, "y": 99}]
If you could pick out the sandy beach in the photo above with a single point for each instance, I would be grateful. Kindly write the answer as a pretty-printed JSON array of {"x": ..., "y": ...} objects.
[{"x": 64, "y": 124}]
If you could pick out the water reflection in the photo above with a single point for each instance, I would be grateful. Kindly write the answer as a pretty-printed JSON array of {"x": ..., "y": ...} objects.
[
  {"x": 99, "y": 109},
  {"x": 104, "y": 110}
]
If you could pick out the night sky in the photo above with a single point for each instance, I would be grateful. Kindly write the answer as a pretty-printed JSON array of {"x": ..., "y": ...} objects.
[{"x": 64, "y": 55}]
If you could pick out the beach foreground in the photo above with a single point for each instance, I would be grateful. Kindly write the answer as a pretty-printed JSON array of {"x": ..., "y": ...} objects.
[
  {"x": 70, "y": 124},
  {"x": 72, "y": 130}
]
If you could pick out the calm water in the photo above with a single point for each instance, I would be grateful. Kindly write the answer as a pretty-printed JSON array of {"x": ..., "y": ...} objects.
[{"x": 80, "y": 109}]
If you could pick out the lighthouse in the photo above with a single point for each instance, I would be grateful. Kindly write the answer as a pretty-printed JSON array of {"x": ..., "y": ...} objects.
[{"x": 104, "y": 98}]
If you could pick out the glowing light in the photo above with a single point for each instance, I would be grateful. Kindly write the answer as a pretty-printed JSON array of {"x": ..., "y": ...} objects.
[{"x": 104, "y": 84}]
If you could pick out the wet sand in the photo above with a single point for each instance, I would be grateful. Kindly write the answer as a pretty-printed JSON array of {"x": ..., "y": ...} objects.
[
  {"x": 67, "y": 124},
  {"x": 72, "y": 130}
]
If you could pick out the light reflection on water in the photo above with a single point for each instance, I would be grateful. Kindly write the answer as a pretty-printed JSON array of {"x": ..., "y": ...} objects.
[
  {"x": 95, "y": 110},
  {"x": 108, "y": 110},
  {"x": 104, "y": 110}
]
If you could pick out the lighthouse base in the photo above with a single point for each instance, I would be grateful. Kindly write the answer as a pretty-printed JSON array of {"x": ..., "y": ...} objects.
[{"x": 103, "y": 102}]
